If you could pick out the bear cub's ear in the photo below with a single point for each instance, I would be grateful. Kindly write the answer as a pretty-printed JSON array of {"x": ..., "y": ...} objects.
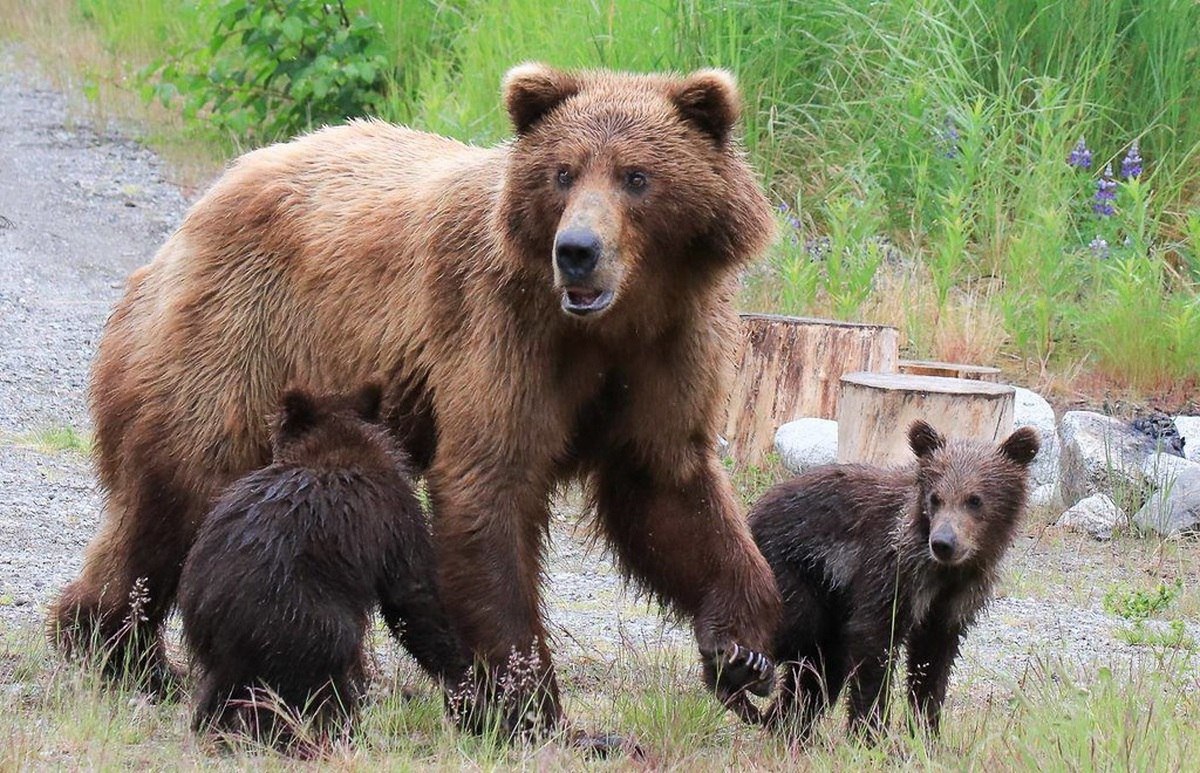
[
  {"x": 297, "y": 413},
  {"x": 531, "y": 90},
  {"x": 923, "y": 439},
  {"x": 1021, "y": 446},
  {"x": 367, "y": 401},
  {"x": 709, "y": 100}
]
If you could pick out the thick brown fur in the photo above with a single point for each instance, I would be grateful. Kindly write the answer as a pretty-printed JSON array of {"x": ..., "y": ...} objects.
[
  {"x": 370, "y": 251},
  {"x": 869, "y": 559},
  {"x": 277, "y": 592}
]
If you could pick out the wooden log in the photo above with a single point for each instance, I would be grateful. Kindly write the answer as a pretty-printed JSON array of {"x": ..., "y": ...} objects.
[
  {"x": 877, "y": 409},
  {"x": 949, "y": 370},
  {"x": 790, "y": 368}
]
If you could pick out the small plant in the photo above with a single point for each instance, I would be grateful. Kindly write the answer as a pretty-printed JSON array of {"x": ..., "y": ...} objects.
[
  {"x": 53, "y": 440},
  {"x": 272, "y": 69},
  {"x": 1174, "y": 636},
  {"x": 1140, "y": 605}
]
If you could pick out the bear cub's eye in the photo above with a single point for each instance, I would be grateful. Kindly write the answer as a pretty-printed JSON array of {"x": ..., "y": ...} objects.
[
  {"x": 564, "y": 178},
  {"x": 636, "y": 181},
  {"x": 974, "y": 502},
  {"x": 935, "y": 501}
]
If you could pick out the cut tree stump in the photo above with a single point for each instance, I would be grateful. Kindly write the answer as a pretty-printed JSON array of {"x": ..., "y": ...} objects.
[
  {"x": 949, "y": 370},
  {"x": 877, "y": 409},
  {"x": 791, "y": 368}
]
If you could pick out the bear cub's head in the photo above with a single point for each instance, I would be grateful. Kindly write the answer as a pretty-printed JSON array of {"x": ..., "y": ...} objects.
[
  {"x": 619, "y": 181},
  {"x": 332, "y": 431},
  {"x": 971, "y": 493}
]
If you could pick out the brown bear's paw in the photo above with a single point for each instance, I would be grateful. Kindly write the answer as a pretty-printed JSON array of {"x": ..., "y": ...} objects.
[
  {"x": 514, "y": 702},
  {"x": 734, "y": 672}
]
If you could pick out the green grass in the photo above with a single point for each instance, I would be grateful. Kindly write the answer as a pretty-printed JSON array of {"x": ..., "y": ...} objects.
[
  {"x": 1140, "y": 718},
  {"x": 51, "y": 440}
]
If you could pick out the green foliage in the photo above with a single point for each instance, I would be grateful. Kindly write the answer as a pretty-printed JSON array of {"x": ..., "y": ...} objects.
[
  {"x": 1139, "y": 605},
  {"x": 271, "y": 69},
  {"x": 937, "y": 127}
]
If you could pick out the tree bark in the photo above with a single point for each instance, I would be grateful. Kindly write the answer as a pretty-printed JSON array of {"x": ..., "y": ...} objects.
[
  {"x": 877, "y": 409},
  {"x": 790, "y": 368}
]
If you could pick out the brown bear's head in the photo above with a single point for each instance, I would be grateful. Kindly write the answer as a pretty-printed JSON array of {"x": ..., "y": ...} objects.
[
  {"x": 331, "y": 431},
  {"x": 617, "y": 181},
  {"x": 972, "y": 493}
]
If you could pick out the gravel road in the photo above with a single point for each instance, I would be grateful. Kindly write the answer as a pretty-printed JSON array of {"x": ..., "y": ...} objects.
[{"x": 80, "y": 208}]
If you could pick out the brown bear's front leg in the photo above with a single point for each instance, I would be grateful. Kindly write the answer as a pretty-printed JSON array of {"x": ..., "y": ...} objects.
[
  {"x": 932, "y": 648},
  {"x": 680, "y": 533},
  {"x": 489, "y": 521}
]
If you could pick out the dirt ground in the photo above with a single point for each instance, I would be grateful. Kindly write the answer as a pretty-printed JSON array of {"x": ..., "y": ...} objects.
[{"x": 81, "y": 207}]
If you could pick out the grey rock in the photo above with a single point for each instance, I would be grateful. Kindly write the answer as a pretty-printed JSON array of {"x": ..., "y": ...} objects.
[
  {"x": 807, "y": 443},
  {"x": 1096, "y": 515},
  {"x": 1174, "y": 509},
  {"x": 1189, "y": 430},
  {"x": 1031, "y": 410},
  {"x": 1100, "y": 454}
]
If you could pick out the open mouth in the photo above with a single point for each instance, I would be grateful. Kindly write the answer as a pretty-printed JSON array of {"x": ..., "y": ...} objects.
[{"x": 584, "y": 301}]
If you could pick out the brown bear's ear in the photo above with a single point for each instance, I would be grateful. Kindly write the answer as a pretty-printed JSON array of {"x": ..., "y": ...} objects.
[
  {"x": 531, "y": 90},
  {"x": 368, "y": 400},
  {"x": 297, "y": 413},
  {"x": 924, "y": 439},
  {"x": 1021, "y": 446},
  {"x": 709, "y": 100}
]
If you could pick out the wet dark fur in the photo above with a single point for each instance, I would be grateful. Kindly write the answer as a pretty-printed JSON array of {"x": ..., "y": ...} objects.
[
  {"x": 279, "y": 589},
  {"x": 850, "y": 548}
]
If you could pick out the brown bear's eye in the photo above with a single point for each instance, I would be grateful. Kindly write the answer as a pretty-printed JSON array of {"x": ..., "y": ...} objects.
[
  {"x": 935, "y": 501},
  {"x": 564, "y": 178},
  {"x": 974, "y": 502},
  {"x": 636, "y": 181}
]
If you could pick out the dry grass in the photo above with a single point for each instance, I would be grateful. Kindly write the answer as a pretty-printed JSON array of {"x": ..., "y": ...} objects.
[
  {"x": 63, "y": 717},
  {"x": 101, "y": 86}
]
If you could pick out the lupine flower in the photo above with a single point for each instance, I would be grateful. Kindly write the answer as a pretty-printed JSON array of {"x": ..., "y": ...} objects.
[
  {"x": 1099, "y": 248},
  {"x": 1131, "y": 165},
  {"x": 1080, "y": 157},
  {"x": 1106, "y": 194},
  {"x": 947, "y": 136}
]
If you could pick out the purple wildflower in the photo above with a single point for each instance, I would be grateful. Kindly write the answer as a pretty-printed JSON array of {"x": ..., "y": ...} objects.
[
  {"x": 1131, "y": 165},
  {"x": 1106, "y": 194},
  {"x": 947, "y": 136},
  {"x": 1099, "y": 248},
  {"x": 1080, "y": 157}
]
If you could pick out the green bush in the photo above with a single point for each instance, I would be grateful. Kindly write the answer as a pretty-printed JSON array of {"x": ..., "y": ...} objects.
[{"x": 271, "y": 69}]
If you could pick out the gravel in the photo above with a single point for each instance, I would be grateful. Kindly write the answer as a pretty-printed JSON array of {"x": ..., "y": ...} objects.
[{"x": 81, "y": 207}]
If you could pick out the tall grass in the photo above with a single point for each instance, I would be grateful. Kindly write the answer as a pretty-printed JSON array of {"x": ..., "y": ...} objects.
[{"x": 937, "y": 129}]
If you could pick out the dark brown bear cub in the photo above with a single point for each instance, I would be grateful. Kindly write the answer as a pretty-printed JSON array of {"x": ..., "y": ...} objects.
[
  {"x": 279, "y": 588},
  {"x": 868, "y": 559}
]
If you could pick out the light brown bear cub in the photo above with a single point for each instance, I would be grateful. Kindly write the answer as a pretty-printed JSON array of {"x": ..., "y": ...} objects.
[
  {"x": 868, "y": 559},
  {"x": 558, "y": 307}
]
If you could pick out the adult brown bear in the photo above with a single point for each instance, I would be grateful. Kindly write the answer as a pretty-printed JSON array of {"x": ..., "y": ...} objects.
[{"x": 555, "y": 307}]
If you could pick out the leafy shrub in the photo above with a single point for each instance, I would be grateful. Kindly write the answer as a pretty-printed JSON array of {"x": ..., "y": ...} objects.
[{"x": 272, "y": 69}]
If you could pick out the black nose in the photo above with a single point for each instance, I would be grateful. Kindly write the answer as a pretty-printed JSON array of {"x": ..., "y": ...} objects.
[
  {"x": 576, "y": 251},
  {"x": 943, "y": 543}
]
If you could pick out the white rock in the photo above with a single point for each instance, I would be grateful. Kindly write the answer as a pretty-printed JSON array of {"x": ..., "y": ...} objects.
[
  {"x": 1045, "y": 495},
  {"x": 1096, "y": 515},
  {"x": 1174, "y": 509},
  {"x": 806, "y": 443},
  {"x": 1189, "y": 430},
  {"x": 1031, "y": 410},
  {"x": 1100, "y": 454}
]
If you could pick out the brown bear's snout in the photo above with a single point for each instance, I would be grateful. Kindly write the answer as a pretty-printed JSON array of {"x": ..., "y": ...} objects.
[
  {"x": 576, "y": 252},
  {"x": 943, "y": 543}
]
